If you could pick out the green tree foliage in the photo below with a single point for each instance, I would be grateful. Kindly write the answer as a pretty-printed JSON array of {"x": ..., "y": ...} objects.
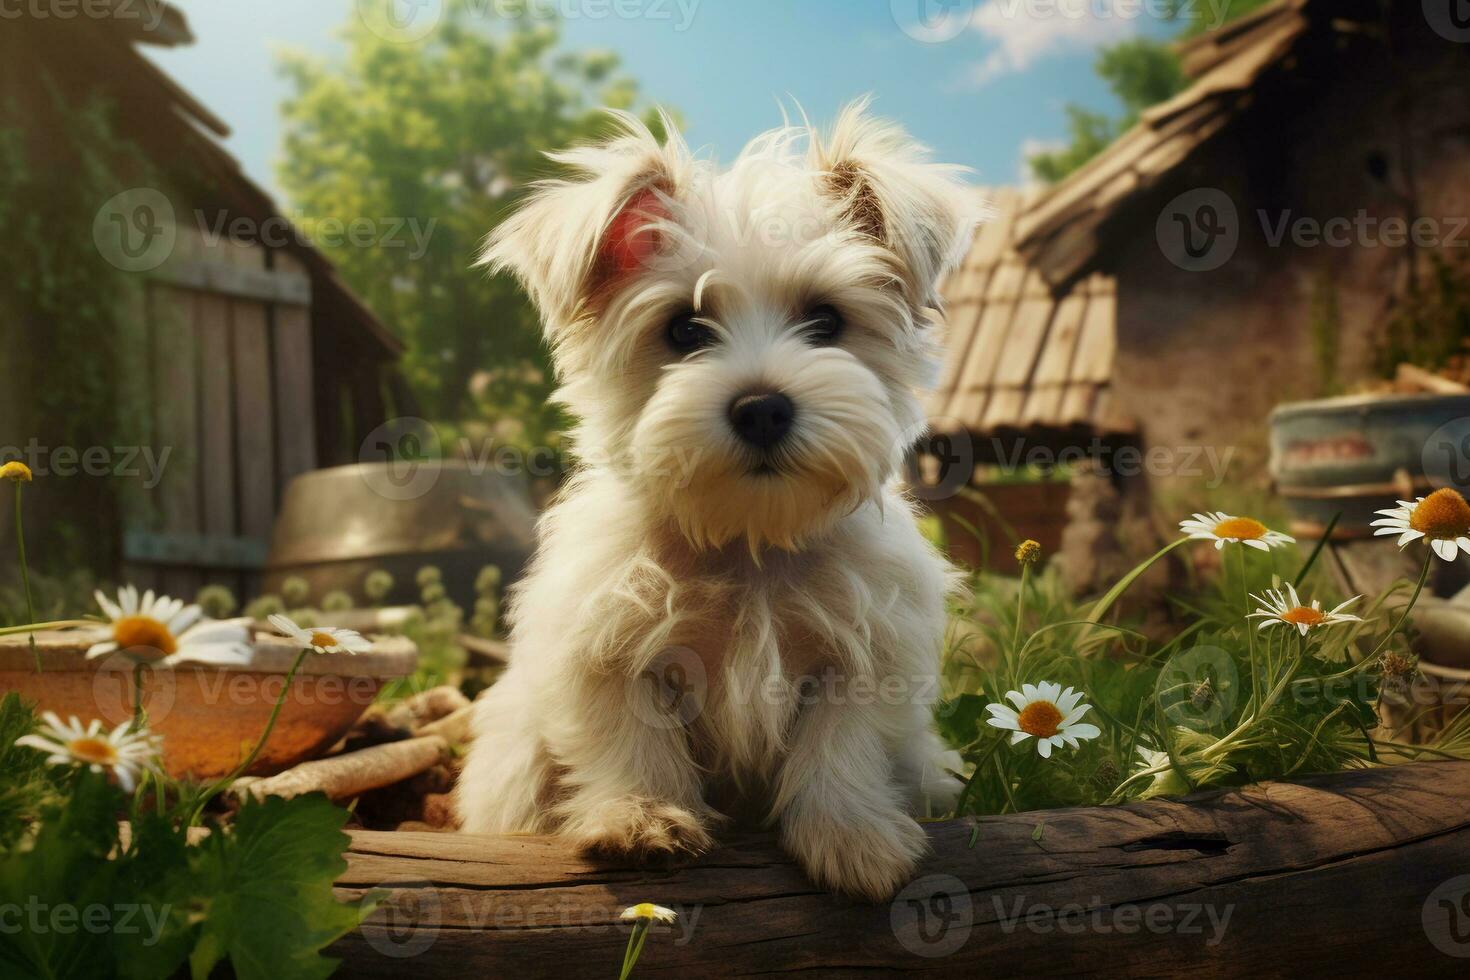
[
  {"x": 1141, "y": 72},
  {"x": 442, "y": 135},
  {"x": 1198, "y": 17}
]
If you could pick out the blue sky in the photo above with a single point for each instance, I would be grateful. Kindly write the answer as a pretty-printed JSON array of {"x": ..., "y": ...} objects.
[{"x": 978, "y": 80}]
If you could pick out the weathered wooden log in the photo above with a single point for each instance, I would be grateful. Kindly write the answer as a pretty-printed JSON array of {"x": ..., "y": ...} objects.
[
  {"x": 344, "y": 776},
  {"x": 1351, "y": 874}
]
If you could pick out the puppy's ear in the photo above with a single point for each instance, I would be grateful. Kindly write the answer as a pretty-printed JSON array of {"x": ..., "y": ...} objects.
[
  {"x": 576, "y": 239},
  {"x": 889, "y": 190}
]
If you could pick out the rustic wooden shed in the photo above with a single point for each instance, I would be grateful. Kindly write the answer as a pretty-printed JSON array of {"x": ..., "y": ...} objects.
[
  {"x": 1026, "y": 383},
  {"x": 258, "y": 361},
  {"x": 1314, "y": 132},
  {"x": 1172, "y": 291}
]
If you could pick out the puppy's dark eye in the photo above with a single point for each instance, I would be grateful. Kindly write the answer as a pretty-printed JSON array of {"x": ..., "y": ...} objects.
[
  {"x": 822, "y": 326},
  {"x": 687, "y": 335}
]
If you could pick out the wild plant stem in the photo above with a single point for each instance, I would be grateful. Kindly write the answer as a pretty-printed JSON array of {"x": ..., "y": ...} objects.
[
  {"x": 223, "y": 784},
  {"x": 1020, "y": 615},
  {"x": 25, "y": 574},
  {"x": 138, "y": 669},
  {"x": 1404, "y": 616},
  {"x": 634, "y": 948},
  {"x": 59, "y": 624},
  {"x": 1372, "y": 658}
]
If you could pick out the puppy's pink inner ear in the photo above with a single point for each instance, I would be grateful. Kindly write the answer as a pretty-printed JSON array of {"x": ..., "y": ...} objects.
[{"x": 630, "y": 242}]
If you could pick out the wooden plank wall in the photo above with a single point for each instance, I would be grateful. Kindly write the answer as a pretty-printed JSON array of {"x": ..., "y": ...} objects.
[{"x": 231, "y": 369}]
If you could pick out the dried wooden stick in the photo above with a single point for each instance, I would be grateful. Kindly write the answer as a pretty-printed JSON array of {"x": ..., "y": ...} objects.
[
  {"x": 345, "y": 776},
  {"x": 483, "y": 652},
  {"x": 453, "y": 728},
  {"x": 1413, "y": 378}
]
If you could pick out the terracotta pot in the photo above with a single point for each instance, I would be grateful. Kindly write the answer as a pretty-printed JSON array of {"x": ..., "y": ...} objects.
[{"x": 210, "y": 717}]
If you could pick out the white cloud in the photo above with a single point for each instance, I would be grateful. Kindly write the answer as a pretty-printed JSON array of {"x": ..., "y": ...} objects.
[{"x": 1023, "y": 32}]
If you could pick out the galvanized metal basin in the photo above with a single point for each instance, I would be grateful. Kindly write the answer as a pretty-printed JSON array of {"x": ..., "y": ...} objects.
[
  {"x": 338, "y": 524},
  {"x": 1359, "y": 454}
]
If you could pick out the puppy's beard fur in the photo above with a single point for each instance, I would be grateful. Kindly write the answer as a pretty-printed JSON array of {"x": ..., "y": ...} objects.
[{"x": 843, "y": 446}]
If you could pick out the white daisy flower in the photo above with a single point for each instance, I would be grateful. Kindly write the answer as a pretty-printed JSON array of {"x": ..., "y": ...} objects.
[
  {"x": 124, "y": 754},
  {"x": 322, "y": 639},
  {"x": 647, "y": 910},
  {"x": 1045, "y": 711},
  {"x": 1221, "y": 528},
  {"x": 166, "y": 630},
  {"x": 1289, "y": 610},
  {"x": 1442, "y": 519}
]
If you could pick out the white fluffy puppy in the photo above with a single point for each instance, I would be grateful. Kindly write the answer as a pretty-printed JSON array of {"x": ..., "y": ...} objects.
[{"x": 731, "y": 610}]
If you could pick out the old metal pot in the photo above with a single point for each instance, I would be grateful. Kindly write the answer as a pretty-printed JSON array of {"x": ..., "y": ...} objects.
[
  {"x": 1355, "y": 455},
  {"x": 336, "y": 525}
]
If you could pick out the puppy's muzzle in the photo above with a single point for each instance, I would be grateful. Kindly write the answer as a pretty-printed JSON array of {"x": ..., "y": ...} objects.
[{"x": 762, "y": 419}]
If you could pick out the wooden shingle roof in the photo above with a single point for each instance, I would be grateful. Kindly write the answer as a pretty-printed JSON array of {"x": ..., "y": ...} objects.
[
  {"x": 1031, "y": 321},
  {"x": 1060, "y": 236},
  {"x": 1017, "y": 355}
]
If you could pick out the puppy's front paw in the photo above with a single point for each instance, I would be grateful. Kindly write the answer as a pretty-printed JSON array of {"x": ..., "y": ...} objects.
[
  {"x": 868, "y": 859},
  {"x": 644, "y": 829}
]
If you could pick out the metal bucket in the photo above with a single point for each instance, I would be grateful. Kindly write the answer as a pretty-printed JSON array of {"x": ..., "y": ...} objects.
[
  {"x": 1360, "y": 454},
  {"x": 336, "y": 525}
]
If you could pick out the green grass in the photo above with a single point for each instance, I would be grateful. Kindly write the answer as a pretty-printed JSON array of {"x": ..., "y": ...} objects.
[{"x": 1205, "y": 700}]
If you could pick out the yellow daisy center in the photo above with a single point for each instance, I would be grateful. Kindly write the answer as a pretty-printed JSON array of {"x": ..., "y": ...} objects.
[
  {"x": 144, "y": 632},
  {"x": 321, "y": 639},
  {"x": 1040, "y": 718},
  {"x": 1240, "y": 528},
  {"x": 1442, "y": 514},
  {"x": 1304, "y": 616},
  {"x": 97, "y": 751},
  {"x": 644, "y": 910}
]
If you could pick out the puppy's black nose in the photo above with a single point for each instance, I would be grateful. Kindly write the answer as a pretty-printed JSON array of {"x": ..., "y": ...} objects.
[{"x": 762, "y": 420}]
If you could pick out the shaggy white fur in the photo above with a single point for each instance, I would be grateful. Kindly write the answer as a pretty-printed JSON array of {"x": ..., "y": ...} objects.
[{"x": 713, "y": 627}]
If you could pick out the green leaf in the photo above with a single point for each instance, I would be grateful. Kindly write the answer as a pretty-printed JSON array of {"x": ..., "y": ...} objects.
[
  {"x": 958, "y": 719},
  {"x": 27, "y": 782},
  {"x": 271, "y": 907},
  {"x": 55, "y": 882},
  {"x": 154, "y": 878}
]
